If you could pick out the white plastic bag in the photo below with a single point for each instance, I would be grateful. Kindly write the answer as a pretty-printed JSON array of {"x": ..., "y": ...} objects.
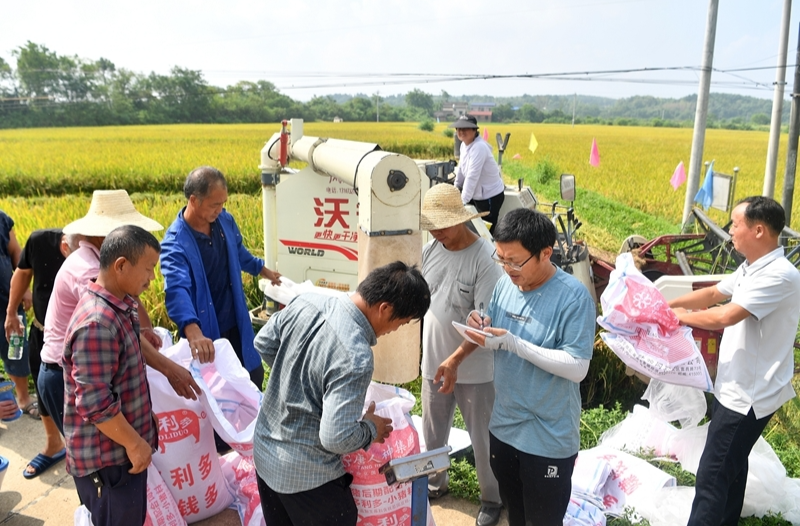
[
  {"x": 82, "y": 516},
  {"x": 671, "y": 403},
  {"x": 645, "y": 333},
  {"x": 640, "y": 431},
  {"x": 378, "y": 503},
  {"x": 231, "y": 400},
  {"x": 765, "y": 481}
]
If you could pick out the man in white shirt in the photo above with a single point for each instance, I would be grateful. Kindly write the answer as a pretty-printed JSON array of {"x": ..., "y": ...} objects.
[{"x": 756, "y": 360}]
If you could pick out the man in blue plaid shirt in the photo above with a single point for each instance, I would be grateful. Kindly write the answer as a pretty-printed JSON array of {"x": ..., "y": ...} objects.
[{"x": 319, "y": 349}]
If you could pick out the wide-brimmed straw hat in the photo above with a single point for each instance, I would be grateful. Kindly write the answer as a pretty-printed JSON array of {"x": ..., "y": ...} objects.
[
  {"x": 442, "y": 208},
  {"x": 465, "y": 121},
  {"x": 110, "y": 209}
]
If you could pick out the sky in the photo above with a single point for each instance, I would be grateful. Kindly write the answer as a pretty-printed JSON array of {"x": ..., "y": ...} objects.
[{"x": 384, "y": 47}]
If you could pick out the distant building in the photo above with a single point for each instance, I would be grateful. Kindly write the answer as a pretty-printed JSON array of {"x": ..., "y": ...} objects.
[
  {"x": 481, "y": 106},
  {"x": 451, "y": 110},
  {"x": 338, "y": 119},
  {"x": 481, "y": 116}
]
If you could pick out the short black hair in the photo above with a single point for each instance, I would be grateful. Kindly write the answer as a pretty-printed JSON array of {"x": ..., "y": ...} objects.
[
  {"x": 200, "y": 180},
  {"x": 127, "y": 241},
  {"x": 764, "y": 210},
  {"x": 400, "y": 285},
  {"x": 534, "y": 230}
]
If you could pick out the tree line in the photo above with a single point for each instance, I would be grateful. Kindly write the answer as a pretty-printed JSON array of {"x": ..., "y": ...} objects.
[{"x": 47, "y": 89}]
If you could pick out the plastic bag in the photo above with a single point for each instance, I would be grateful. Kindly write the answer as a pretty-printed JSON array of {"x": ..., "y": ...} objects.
[
  {"x": 240, "y": 473},
  {"x": 645, "y": 333},
  {"x": 765, "y": 481},
  {"x": 378, "y": 503},
  {"x": 666, "y": 506},
  {"x": 671, "y": 403},
  {"x": 82, "y": 516},
  {"x": 231, "y": 400}
]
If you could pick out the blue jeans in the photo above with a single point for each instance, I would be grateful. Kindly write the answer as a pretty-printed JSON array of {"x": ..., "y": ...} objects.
[
  {"x": 722, "y": 473},
  {"x": 51, "y": 388}
]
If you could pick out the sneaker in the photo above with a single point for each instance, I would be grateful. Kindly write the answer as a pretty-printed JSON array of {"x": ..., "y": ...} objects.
[
  {"x": 488, "y": 516},
  {"x": 434, "y": 494}
]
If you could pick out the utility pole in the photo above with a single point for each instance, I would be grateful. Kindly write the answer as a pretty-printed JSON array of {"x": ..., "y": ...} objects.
[
  {"x": 791, "y": 153},
  {"x": 574, "y": 103},
  {"x": 701, "y": 113},
  {"x": 777, "y": 103}
]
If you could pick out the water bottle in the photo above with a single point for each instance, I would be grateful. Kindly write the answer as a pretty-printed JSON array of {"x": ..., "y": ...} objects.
[{"x": 16, "y": 342}]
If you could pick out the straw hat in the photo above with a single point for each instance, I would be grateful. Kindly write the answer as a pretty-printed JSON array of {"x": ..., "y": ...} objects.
[
  {"x": 442, "y": 208},
  {"x": 110, "y": 209}
]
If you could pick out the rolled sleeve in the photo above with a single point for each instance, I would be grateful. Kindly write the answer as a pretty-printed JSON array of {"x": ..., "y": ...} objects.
[
  {"x": 268, "y": 341},
  {"x": 341, "y": 429},
  {"x": 93, "y": 371}
]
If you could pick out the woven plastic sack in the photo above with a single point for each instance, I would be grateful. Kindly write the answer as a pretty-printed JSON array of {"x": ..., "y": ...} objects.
[
  {"x": 162, "y": 510},
  {"x": 187, "y": 456},
  {"x": 240, "y": 473},
  {"x": 378, "y": 503},
  {"x": 644, "y": 332}
]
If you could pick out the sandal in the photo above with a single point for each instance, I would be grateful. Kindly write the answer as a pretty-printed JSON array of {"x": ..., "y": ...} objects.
[
  {"x": 42, "y": 463},
  {"x": 32, "y": 410}
]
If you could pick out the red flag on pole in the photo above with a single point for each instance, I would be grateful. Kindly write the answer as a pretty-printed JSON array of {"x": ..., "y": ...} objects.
[
  {"x": 486, "y": 134},
  {"x": 594, "y": 157}
]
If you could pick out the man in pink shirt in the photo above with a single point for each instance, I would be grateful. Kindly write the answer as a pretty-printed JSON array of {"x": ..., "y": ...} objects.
[{"x": 109, "y": 209}]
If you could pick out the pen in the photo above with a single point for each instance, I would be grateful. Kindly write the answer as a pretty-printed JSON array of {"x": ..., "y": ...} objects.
[{"x": 480, "y": 307}]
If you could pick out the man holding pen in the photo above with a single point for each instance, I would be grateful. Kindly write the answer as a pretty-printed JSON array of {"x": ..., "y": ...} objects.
[
  {"x": 541, "y": 324},
  {"x": 458, "y": 266}
]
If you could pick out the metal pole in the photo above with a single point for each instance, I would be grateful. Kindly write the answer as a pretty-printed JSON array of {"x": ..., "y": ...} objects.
[
  {"x": 791, "y": 153},
  {"x": 777, "y": 103},
  {"x": 701, "y": 114}
]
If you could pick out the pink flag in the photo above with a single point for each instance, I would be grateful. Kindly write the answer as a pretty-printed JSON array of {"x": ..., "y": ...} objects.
[
  {"x": 678, "y": 176},
  {"x": 486, "y": 134},
  {"x": 517, "y": 156},
  {"x": 594, "y": 157}
]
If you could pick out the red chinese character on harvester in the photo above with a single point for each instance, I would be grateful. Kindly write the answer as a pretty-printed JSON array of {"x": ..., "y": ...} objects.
[{"x": 336, "y": 214}]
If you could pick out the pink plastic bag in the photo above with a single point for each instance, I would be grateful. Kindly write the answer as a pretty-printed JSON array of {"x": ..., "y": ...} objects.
[
  {"x": 378, "y": 503},
  {"x": 162, "y": 510},
  {"x": 240, "y": 473},
  {"x": 645, "y": 333}
]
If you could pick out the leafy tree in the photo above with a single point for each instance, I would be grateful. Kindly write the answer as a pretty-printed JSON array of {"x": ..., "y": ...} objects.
[
  {"x": 417, "y": 98},
  {"x": 761, "y": 119},
  {"x": 530, "y": 113},
  {"x": 503, "y": 113}
]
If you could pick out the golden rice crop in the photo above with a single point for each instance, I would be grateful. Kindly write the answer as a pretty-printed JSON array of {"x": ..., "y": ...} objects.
[{"x": 30, "y": 214}]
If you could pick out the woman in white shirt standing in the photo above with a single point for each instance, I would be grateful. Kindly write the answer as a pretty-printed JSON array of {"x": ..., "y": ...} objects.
[{"x": 478, "y": 176}]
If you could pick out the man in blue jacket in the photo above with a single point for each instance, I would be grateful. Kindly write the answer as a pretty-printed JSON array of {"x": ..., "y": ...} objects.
[{"x": 202, "y": 259}]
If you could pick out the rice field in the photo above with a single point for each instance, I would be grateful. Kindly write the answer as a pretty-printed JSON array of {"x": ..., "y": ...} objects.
[{"x": 47, "y": 175}]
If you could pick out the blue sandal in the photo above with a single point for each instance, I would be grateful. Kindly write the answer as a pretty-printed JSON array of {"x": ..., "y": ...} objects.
[{"x": 42, "y": 463}]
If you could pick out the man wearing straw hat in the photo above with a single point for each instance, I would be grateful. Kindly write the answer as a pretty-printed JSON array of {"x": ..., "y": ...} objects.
[
  {"x": 109, "y": 209},
  {"x": 458, "y": 266}
]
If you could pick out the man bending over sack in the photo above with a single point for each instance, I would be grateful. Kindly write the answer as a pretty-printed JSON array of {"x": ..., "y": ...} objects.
[
  {"x": 756, "y": 360},
  {"x": 109, "y": 425},
  {"x": 319, "y": 349}
]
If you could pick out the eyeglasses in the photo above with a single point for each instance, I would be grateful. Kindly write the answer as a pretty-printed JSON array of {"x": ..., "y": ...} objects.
[{"x": 508, "y": 264}]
